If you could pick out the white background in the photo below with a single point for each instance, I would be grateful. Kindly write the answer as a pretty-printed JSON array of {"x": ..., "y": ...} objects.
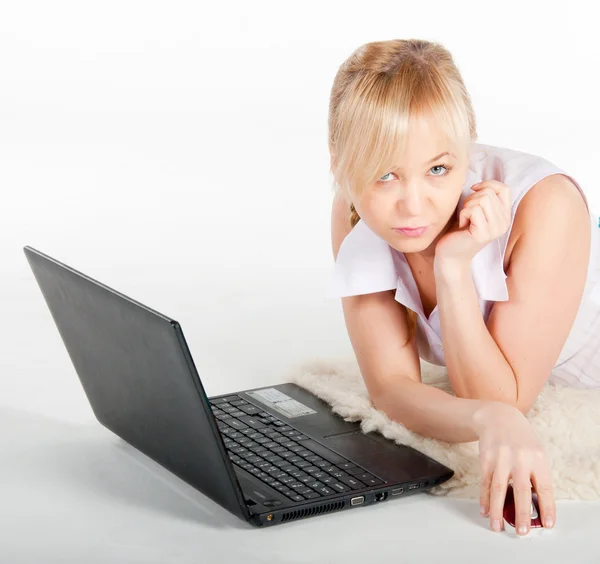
[{"x": 177, "y": 152}]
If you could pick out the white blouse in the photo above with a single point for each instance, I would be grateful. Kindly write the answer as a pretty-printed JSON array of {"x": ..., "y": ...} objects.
[{"x": 366, "y": 263}]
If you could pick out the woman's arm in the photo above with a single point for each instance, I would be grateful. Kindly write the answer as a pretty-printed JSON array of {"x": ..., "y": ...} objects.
[
  {"x": 511, "y": 357},
  {"x": 377, "y": 328},
  {"x": 390, "y": 367}
]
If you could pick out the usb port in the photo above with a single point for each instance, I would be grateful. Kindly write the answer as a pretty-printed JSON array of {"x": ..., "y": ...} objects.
[
  {"x": 413, "y": 487},
  {"x": 357, "y": 500},
  {"x": 397, "y": 491}
]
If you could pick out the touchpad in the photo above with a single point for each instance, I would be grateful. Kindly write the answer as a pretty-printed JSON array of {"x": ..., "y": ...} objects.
[{"x": 386, "y": 458}]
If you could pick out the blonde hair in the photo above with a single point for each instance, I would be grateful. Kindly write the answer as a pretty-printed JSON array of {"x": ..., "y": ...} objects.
[{"x": 376, "y": 93}]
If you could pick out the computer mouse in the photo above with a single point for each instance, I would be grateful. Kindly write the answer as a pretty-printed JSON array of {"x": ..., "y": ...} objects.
[{"x": 509, "y": 508}]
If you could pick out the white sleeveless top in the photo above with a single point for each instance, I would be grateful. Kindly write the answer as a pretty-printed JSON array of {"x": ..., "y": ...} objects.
[{"x": 366, "y": 263}]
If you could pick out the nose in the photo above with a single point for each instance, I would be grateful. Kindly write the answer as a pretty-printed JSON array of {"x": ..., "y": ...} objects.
[{"x": 413, "y": 199}]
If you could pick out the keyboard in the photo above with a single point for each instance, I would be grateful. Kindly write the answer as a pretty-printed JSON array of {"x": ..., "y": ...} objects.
[{"x": 282, "y": 457}]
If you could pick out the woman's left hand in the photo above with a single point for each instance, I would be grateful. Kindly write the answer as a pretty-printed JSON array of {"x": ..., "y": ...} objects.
[{"x": 486, "y": 215}]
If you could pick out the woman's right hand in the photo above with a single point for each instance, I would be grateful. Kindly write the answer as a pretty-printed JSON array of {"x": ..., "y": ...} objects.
[{"x": 509, "y": 448}]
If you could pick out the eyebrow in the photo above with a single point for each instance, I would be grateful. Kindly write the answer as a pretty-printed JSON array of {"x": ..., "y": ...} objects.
[
  {"x": 440, "y": 156},
  {"x": 434, "y": 158}
]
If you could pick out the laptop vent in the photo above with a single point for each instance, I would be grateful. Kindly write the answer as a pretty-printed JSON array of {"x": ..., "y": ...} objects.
[{"x": 326, "y": 508}]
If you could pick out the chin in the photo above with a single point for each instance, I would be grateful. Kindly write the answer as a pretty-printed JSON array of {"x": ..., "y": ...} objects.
[{"x": 406, "y": 244}]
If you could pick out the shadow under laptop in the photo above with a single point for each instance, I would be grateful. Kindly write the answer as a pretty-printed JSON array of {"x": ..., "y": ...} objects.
[{"x": 90, "y": 463}]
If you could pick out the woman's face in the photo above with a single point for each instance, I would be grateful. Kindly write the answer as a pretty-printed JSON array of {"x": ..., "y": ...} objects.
[{"x": 422, "y": 192}]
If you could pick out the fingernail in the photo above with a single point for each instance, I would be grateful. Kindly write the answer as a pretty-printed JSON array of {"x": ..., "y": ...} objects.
[
  {"x": 496, "y": 525},
  {"x": 548, "y": 522},
  {"x": 523, "y": 530},
  {"x": 483, "y": 511}
]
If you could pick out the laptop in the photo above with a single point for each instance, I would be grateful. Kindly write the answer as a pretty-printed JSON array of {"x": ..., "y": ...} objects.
[{"x": 268, "y": 455}]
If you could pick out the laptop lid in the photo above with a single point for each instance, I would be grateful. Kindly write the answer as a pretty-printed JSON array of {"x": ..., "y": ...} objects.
[{"x": 139, "y": 377}]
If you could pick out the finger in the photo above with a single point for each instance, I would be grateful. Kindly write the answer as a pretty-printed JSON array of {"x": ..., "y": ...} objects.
[
  {"x": 522, "y": 495},
  {"x": 487, "y": 470},
  {"x": 464, "y": 217},
  {"x": 494, "y": 215},
  {"x": 542, "y": 483},
  {"x": 479, "y": 224},
  {"x": 502, "y": 190},
  {"x": 497, "y": 497}
]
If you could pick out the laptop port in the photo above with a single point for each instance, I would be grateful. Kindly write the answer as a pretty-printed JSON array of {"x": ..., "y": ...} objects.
[
  {"x": 380, "y": 496},
  {"x": 413, "y": 487},
  {"x": 357, "y": 500},
  {"x": 397, "y": 491}
]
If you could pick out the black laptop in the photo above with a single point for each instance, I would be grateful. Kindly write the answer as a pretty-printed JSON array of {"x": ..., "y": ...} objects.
[{"x": 268, "y": 455}]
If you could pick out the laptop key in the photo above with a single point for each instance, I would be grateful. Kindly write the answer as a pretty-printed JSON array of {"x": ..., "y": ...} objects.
[
  {"x": 355, "y": 471},
  {"x": 250, "y": 409},
  {"x": 297, "y": 497},
  {"x": 217, "y": 401},
  {"x": 347, "y": 465},
  {"x": 301, "y": 438},
  {"x": 325, "y": 491},
  {"x": 369, "y": 479},
  {"x": 312, "y": 495},
  {"x": 252, "y": 422},
  {"x": 236, "y": 424},
  {"x": 304, "y": 491},
  {"x": 340, "y": 487},
  {"x": 251, "y": 445},
  {"x": 281, "y": 463},
  {"x": 352, "y": 482}
]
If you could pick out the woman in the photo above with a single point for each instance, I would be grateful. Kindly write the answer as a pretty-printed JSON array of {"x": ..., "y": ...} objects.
[{"x": 475, "y": 257}]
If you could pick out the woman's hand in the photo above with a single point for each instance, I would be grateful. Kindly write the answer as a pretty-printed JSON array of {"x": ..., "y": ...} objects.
[
  {"x": 509, "y": 448},
  {"x": 486, "y": 215}
]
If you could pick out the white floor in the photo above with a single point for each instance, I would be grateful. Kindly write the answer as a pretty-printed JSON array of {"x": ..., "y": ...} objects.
[{"x": 74, "y": 492}]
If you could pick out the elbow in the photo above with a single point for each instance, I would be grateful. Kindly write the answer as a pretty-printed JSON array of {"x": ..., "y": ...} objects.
[{"x": 499, "y": 396}]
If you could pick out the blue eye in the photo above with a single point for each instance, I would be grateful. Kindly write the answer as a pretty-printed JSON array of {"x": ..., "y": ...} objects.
[{"x": 446, "y": 167}]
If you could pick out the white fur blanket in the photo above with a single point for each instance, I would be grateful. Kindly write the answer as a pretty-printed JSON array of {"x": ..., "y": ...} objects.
[{"x": 566, "y": 420}]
